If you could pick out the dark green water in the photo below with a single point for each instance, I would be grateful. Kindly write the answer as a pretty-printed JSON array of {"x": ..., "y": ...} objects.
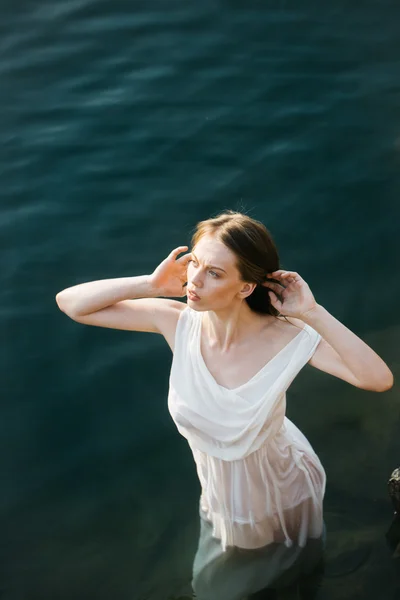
[{"x": 121, "y": 125}]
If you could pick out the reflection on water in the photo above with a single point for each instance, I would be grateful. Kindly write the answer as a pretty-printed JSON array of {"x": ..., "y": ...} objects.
[{"x": 234, "y": 574}]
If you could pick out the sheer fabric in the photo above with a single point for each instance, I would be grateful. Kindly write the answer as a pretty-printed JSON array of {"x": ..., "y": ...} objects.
[{"x": 261, "y": 480}]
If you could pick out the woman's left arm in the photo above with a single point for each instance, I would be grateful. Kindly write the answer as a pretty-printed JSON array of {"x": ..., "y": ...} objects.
[
  {"x": 343, "y": 354},
  {"x": 340, "y": 352}
]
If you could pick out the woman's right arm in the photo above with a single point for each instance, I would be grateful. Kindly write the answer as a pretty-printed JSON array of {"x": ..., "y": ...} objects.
[{"x": 131, "y": 303}]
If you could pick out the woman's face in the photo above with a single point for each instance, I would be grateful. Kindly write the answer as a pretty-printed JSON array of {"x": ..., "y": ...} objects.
[{"x": 213, "y": 276}]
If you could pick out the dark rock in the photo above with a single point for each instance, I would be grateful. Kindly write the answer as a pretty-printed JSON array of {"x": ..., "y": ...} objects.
[
  {"x": 394, "y": 489},
  {"x": 393, "y": 534}
]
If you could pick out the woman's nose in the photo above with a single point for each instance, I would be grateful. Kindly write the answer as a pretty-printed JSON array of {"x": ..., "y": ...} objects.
[{"x": 196, "y": 280}]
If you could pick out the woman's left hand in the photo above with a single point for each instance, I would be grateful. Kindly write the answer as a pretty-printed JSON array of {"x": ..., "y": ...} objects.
[{"x": 297, "y": 298}]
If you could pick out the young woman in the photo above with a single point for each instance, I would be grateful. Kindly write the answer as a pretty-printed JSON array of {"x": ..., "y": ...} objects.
[{"x": 235, "y": 353}]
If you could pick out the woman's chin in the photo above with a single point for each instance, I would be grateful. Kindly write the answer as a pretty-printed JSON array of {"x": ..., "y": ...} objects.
[
  {"x": 196, "y": 304},
  {"x": 192, "y": 303}
]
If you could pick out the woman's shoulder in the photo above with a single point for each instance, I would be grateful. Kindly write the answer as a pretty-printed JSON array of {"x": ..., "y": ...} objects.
[
  {"x": 294, "y": 325},
  {"x": 291, "y": 323},
  {"x": 289, "y": 328},
  {"x": 186, "y": 314}
]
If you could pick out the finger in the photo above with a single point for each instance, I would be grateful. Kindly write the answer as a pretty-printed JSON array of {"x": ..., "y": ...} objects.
[
  {"x": 291, "y": 275},
  {"x": 283, "y": 273},
  {"x": 185, "y": 258},
  {"x": 271, "y": 280},
  {"x": 290, "y": 278},
  {"x": 274, "y": 299},
  {"x": 294, "y": 280},
  {"x": 174, "y": 253},
  {"x": 279, "y": 287},
  {"x": 277, "y": 272}
]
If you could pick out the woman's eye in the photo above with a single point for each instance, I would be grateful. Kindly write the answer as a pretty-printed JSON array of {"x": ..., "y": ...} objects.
[{"x": 213, "y": 273}]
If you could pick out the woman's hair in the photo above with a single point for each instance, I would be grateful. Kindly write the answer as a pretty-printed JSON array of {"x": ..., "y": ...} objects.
[{"x": 254, "y": 248}]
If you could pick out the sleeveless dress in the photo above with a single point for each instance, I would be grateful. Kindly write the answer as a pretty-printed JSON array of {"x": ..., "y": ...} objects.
[{"x": 262, "y": 484}]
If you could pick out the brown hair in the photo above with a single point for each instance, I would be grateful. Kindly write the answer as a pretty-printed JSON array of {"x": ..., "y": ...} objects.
[{"x": 254, "y": 248}]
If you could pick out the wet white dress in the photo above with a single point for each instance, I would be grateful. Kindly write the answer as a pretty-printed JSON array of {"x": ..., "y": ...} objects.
[{"x": 262, "y": 483}]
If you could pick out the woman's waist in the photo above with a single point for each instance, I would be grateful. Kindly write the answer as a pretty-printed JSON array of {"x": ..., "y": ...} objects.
[
  {"x": 278, "y": 442},
  {"x": 278, "y": 467}
]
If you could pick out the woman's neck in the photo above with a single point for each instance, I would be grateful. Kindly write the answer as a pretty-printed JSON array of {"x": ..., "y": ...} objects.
[{"x": 231, "y": 328}]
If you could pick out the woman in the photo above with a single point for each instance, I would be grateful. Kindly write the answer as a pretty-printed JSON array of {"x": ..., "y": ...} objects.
[{"x": 235, "y": 355}]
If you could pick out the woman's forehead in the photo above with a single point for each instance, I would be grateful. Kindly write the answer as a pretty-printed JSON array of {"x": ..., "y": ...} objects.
[{"x": 210, "y": 248}]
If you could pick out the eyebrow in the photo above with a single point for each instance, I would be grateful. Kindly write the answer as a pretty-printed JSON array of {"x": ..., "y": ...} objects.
[{"x": 210, "y": 266}]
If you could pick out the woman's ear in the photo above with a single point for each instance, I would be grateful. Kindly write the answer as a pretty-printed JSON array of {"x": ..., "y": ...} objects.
[{"x": 247, "y": 289}]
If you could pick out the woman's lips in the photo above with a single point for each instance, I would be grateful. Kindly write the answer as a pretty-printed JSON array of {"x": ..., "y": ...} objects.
[{"x": 192, "y": 296}]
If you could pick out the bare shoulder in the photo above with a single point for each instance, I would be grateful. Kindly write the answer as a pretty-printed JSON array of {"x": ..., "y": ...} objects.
[
  {"x": 279, "y": 331},
  {"x": 167, "y": 318},
  {"x": 292, "y": 323}
]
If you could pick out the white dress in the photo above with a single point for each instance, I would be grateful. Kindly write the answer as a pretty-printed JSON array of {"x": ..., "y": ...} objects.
[{"x": 261, "y": 480}]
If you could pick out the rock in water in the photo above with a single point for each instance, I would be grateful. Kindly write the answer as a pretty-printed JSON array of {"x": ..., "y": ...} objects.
[
  {"x": 393, "y": 535},
  {"x": 394, "y": 489}
]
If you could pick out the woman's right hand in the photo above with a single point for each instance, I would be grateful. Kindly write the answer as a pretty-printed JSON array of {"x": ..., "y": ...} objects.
[{"x": 170, "y": 276}]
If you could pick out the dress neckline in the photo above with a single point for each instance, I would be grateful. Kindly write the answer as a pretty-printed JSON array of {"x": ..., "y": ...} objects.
[{"x": 255, "y": 376}]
